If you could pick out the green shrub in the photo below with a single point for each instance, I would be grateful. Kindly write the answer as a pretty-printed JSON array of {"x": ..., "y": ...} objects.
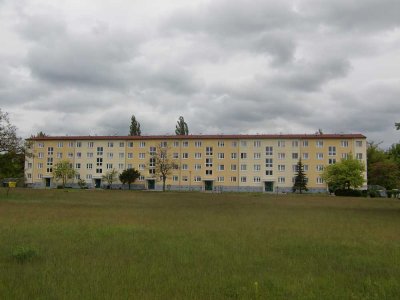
[{"x": 24, "y": 254}]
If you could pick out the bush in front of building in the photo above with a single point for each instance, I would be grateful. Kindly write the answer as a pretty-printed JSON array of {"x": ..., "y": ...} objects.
[{"x": 348, "y": 193}]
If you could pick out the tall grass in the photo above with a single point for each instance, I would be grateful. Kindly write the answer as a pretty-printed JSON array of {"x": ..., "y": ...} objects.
[{"x": 149, "y": 245}]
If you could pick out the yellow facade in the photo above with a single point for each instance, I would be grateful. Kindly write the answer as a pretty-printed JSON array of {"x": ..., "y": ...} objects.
[{"x": 205, "y": 162}]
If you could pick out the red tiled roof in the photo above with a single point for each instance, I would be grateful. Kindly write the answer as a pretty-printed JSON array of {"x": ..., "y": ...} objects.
[{"x": 201, "y": 136}]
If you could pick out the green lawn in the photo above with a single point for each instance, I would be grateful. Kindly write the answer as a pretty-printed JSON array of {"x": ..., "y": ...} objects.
[{"x": 150, "y": 245}]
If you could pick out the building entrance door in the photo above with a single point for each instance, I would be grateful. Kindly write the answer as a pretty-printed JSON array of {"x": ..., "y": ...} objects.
[
  {"x": 269, "y": 186},
  {"x": 97, "y": 183},
  {"x": 208, "y": 185},
  {"x": 151, "y": 184},
  {"x": 48, "y": 182}
]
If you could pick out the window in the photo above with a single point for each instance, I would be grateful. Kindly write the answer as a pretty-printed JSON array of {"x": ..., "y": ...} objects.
[
  {"x": 152, "y": 162},
  {"x": 152, "y": 171},
  {"x": 257, "y": 144},
  {"x": 70, "y": 155},
  {"x": 121, "y": 166},
  {"x": 175, "y": 155},
  {"x": 233, "y": 179},
  {"x": 243, "y": 179},
  {"x": 243, "y": 167},
  {"x": 221, "y": 143},
  {"x": 197, "y": 155},
  {"x": 152, "y": 151},
  {"x": 129, "y": 166},
  {"x": 221, "y": 167},
  {"x": 184, "y": 166},
  {"x": 29, "y": 165},
  {"x": 110, "y": 155},
  {"x": 141, "y": 178},
  {"x": 40, "y": 176},
  {"x": 40, "y": 165},
  {"x": 257, "y": 155},
  {"x": 243, "y": 143},
  {"x": 71, "y": 144},
  {"x": 29, "y": 175},
  {"x": 77, "y": 166},
  {"x": 305, "y": 155},
  {"x": 234, "y": 144},
  {"x": 281, "y": 155},
  {"x": 176, "y": 144},
  {"x": 185, "y": 155},
  {"x": 197, "y": 178},
  {"x": 49, "y": 164},
  {"x": 295, "y": 144},
  {"x": 90, "y": 144},
  {"x": 121, "y": 144},
  {"x": 130, "y": 155},
  {"x": 185, "y": 144},
  {"x": 78, "y": 154},
  {"x": 88, "y": 176},
  {"x": 197, "y": 144},
  {"x": 99, "y": 162},
  {"x": 344, "y": 144},
  {"x": 221, "y": 155},
  {"x": 175, "y": 178},
  {"x": 281, "y": 168},
  {"x": 243, "y": 155},
  {"x": 256, "y": 179},
  {"x": 99, "y": 151},
  {"x": 142, "y": 144},
  {"x": 89, "y": 166},
  {"x": 209, "y": 151},
  {"x": 331, "y": 150},
  {"x": 319, "y": 144},
  {"x": 40, "y": 145},
  {"x": 359, "y": 144},
  {"x": 320, "y": 180},
  {"x": 268, "y": 150},
  {"x": 197, "y": 167},
  {"x": 268, "y": 172},
  {"x": 40, "y": 155},
  {"x": 78, "y": 144},
  {"x": 110, "y": 144},
  {"x": 142, "y": 166},
  {"x": 209, "y": 162},
  {"x": 233, "y": 155},
  {"x": 320, "y": 168},
  {"x": 295, "y": 156},
  {"x": 295, "y": 168},
  {"x": 59, "y": 155},
  {"x": 345, "y": 155},
  {"x": 121, "y": 155},
  {"x": 109, "y": 166},
  {"x": 185, "y": 178},
  {"x": 220, "y": 179},
  {"x": 281, "y": 180},
  {"x": 281, "y": 144},
  {"x": 60, "y": 144},
  {"x": 359, "y": 156},
  {"x": 305, "y": 143},
  {"x": 50, "y": 151},
  {"x": 130, "y": 144},
  {"x": 268, "y": 162},
  {"x": 332, "y": 161},
  {"x": 257, "y": 168},
  {"x": 320, "y": 156},
  {"x": 89, "y": 154},
  {"x": 208, "y": 172},
  {"x": 142, "y": 155}
]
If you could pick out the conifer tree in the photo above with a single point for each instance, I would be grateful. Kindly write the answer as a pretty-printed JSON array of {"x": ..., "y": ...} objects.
[
  {"x": 300, "y": 180},
  {"x": 134, "y": 129},
  {"x": 181, "y": 127}
]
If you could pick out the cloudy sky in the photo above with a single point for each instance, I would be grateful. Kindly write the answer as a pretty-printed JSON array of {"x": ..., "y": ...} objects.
[{"x": 226, "y": 66}]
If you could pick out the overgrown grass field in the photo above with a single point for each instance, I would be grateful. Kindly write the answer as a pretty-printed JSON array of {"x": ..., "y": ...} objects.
[{"x": 73, "y": 244}]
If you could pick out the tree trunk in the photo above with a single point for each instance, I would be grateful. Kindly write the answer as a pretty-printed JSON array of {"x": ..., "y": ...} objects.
[{"x": 163, "y": 183}]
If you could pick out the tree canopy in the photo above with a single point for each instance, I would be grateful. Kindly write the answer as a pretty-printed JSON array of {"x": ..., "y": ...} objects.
[
  {"x": 64, "y": 171},
  {"x": 163, "y": 163},
  {"x": 129, "y": 176},
  {"x": 346, "y": 174},
  {"x": 110, "y": 177},
  {"x": 134, "y": 129},
  {"x": 181, "y": 127},
  {"x": 9, "y": 141}
]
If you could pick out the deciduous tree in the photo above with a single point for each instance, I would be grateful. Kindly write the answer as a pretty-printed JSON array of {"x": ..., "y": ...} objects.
[
  {"x": 346, "y": 174},
  {"x": 9, "y": 141},
  {"x": 63, "y": 171},
  {"x": 163, "y": 163},
  {"x": 110, "y": 177},
  {"x": 129, "y": 176},
  {"x": 181, "y": 127},
  {"x": 134, "y": 129},
  {"x": 384, "y": 173}
]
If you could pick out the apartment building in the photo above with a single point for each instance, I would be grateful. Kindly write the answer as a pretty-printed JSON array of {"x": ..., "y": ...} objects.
[{"x": 253, "y": 163}]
